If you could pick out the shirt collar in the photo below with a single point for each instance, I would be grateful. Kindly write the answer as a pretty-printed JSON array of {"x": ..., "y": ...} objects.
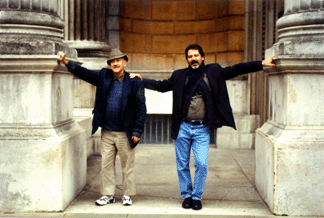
[{"x": 120, "y": 79}]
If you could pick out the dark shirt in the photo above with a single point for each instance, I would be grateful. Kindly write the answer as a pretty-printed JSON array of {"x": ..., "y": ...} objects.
[{"x": 113, "y": 116}]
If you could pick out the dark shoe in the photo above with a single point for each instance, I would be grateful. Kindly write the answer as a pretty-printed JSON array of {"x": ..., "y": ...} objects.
[
  {"x": 196, "y": 204},
  {"x": 187, "y": 203}
]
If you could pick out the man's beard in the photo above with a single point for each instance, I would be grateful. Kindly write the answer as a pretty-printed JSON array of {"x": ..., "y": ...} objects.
[{"x": 194, "y": 65}]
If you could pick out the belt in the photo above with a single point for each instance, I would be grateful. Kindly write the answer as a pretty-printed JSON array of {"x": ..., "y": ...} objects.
[{"x": 195, "y": 122}]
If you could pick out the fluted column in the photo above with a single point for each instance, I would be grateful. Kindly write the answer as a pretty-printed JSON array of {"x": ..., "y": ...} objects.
[
  {"x": 43, "y": 154},
  {"x": 85, "y": 31},
  {"x": 290, "y": 145},
  {"x": 19, "y": 19}
]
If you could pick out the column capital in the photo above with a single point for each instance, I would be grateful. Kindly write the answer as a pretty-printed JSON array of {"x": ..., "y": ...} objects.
[
  {"x": 300, "y": 35},
  {"x": 32, "y": 28},
  {"x": 31, "y": 18},
  {"x": 301, "y": 19}
]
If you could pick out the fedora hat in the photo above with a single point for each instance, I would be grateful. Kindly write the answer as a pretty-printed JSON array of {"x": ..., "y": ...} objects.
[{"x": 114, "y": 54}]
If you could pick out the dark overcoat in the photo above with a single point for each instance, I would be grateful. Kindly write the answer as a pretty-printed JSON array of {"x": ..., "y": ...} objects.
[
  {"x": 217, "y": 77},
  {"x": 133, "y": 106}
]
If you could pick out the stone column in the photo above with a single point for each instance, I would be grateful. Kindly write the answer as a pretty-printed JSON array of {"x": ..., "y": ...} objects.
[
  {"x": 85, "y": 31},
  {"x": 43, "y": 153},
  {"x": 113, "y": 23},
  {"x": 290, "y": 145}
]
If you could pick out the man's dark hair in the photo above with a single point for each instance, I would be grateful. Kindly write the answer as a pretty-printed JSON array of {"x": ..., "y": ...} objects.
[{"x": 195, "y": 47}]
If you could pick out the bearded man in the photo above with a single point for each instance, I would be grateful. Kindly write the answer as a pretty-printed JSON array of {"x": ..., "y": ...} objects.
[{"x": 200, "y": 104}]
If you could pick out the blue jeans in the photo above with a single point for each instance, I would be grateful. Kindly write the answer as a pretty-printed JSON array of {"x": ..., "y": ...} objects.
[{"x": 197, "y": 138}]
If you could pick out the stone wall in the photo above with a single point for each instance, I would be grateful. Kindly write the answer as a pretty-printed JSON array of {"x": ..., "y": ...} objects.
[{"x": 156, "y": 33}]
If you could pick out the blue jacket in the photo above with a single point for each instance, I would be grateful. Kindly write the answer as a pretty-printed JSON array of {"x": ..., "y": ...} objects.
[
  {"x": 133, "y": 99},
  {"x": 217, "y": 77}
]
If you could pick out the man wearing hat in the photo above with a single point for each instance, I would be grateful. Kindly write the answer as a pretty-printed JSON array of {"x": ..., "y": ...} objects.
[{"x": 120, "y": 111}]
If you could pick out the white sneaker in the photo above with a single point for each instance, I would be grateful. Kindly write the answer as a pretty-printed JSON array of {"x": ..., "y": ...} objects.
[
  {"x": 127, "y": 201},
  {"x": 105, "y": 200}
]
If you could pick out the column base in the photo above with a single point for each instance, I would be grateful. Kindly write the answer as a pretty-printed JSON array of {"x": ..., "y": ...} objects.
[
  {"x": 42, "y": 168},
  {"x": 290, "y": 168},
  {"x": 243, "y": 137},
  {"x": 84, "y": 117}
]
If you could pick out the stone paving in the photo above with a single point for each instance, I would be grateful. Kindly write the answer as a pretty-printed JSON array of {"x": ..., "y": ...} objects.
[{"x": 229, "y": 190}]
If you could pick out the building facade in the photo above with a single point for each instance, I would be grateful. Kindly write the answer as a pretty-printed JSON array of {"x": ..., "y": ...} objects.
[
  {"x": 45, "y": 124},
  {"x": 154, "y": 35}
]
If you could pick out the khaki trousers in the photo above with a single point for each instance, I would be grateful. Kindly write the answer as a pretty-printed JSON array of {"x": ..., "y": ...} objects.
[{"x": 111, "y": 142}]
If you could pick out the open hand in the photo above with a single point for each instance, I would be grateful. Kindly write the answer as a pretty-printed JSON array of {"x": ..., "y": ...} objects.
[
  {"x": 133, "y": 75},
  {"x": 269, "y": 62}
]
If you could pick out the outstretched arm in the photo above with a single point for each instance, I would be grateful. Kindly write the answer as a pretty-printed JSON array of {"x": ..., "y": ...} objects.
[
  {"x": 157, "y": 85},
  {"x": 249, "y": 67},
  {"x": 81, "y": 72}
]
